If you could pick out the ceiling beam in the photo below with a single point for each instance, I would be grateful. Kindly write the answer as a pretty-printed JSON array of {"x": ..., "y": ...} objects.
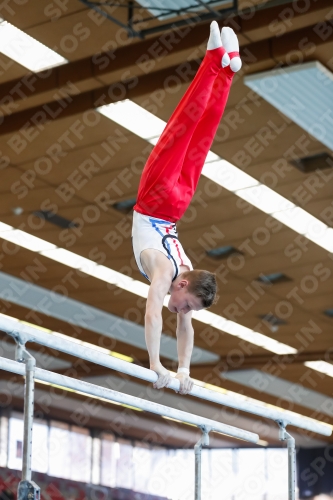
[
  {"x": 272, "y": 49},
  {"x": 153, "y": 49}
]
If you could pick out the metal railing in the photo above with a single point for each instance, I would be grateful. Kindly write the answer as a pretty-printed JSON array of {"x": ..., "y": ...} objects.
[{"x": 24, "y": 333}]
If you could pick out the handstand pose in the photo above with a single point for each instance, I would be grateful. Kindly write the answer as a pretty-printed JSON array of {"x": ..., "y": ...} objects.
[{"x": 167, "y": 185}]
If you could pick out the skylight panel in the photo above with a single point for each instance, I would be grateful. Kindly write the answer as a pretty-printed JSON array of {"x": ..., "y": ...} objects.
[
  {"x": 25, "y": 50},
  {"x": 305, "y": 95}
]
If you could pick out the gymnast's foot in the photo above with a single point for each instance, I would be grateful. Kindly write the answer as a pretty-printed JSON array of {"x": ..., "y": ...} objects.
[
  {"x": 230, "y": 43},
  {"x": 215, "y": 42}
]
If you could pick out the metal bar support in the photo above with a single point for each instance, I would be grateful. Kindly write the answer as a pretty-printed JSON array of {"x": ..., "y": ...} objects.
[
  {"x": 131, "y": 32},
  {"x": 130, "y": 17},
  {"x": 30, "y": 334},
  {"x": 203, "y": 441},
  {"x": 127, "y": 399},
  {"x": 210, "y": 9},
  {"x": 285, "y": 436},
  {"x": 27, "y": 489}
]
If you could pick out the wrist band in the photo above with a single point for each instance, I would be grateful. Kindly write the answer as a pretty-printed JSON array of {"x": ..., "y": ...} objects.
[{"x": 183, "y": 370}]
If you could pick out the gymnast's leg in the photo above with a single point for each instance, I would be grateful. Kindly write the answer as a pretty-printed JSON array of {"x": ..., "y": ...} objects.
[
  {"x": 164, "y": 166},
  {"x": 205, "y": 131}
]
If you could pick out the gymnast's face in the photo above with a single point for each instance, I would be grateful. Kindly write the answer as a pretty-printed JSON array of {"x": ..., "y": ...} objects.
[{"x": 182, "y": 301}]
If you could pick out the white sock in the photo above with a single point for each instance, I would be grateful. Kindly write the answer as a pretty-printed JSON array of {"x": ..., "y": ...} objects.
[
  {"x": 214, "y": 41},
  {"x": 230, "y": 43}
]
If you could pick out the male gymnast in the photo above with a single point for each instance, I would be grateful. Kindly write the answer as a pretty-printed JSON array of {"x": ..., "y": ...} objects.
[{"x": 168, "y": 182}]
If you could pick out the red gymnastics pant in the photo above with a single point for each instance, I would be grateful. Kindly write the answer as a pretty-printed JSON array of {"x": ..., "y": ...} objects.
[{"x": 171, "y": 174}]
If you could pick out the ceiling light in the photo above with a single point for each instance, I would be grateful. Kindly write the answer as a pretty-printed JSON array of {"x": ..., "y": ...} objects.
[
  {"x": 212, "y": 157},
  {"x": 118, "y": 279},
  {"x": 5, "y": 227},
  {"x": 303, "y": 93},
  {"x": 134, "y": 118},
  {"x": 242, "y": 332},
  {"x": 320, "y": 366},
  {"x": 69, "y": 259},
  {"x": 25, "y": 50},
  {"x": 265, "y": 199},
  {"x": 301, "y": 221},
  {"x": 27, "y": 241},
  {"x": 325, "y": 240},
  {"x": 228, "y": 176}
]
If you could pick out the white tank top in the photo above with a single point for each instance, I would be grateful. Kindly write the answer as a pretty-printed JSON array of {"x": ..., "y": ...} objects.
[{"x": 150, "y": 232}]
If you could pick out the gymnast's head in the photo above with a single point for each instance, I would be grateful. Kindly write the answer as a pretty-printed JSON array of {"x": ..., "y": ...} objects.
[{"x": 192, "y": 291}]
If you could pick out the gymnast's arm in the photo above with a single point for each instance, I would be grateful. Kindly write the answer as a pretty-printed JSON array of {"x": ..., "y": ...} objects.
[
  {"x": 160, "y": 284},
  {"x": 185, "y": 339}
]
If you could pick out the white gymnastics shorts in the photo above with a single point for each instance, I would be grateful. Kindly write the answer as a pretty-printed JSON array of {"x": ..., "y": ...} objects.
[{"x": 150, "y": 232}]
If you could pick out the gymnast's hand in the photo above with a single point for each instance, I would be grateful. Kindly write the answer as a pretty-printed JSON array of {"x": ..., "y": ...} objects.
[
  {"x": 164, "y": 376},
  {"x": 185, "y": 383}
]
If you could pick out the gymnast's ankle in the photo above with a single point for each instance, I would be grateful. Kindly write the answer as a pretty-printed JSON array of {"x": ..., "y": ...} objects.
[
  {"x": 231, "y": 45},
  {"x": 215, "y": 42}
]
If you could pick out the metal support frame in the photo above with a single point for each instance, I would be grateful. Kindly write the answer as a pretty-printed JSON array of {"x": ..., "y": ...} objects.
[
  {"x": 197, "y": 17},
  {"x": 26, "y": 333},
  {"x": 129, "y": 400},
  {"x": 203, "y": 441},
  {"x": 285, "y": 436},
  {"x": 30, "y": 334},
  {"x": 27, "y": 489}
]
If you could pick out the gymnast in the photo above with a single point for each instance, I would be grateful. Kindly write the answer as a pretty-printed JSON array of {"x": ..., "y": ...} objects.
[{"x": 168, "y": 182}]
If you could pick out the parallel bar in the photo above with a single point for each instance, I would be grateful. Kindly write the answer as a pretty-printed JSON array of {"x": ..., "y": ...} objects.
[
  {"x": 28, "y": 333},
  {"x": 119, "y": 397}
]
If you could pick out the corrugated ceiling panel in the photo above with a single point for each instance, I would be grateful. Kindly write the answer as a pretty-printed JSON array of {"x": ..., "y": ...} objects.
[
  {"x": 174, "y": 4},
  {"x": 304, "y": 93}
]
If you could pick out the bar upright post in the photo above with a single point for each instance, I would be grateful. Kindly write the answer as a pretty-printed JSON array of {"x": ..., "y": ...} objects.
[
  {"x": 27, "y": 489},
  {"x": 285, "y": 436},
  {"x": 203, "y": 441}
]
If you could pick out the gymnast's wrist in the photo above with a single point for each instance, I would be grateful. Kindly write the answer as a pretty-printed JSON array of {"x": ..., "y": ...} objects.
[{"x": 182, "y": 369}]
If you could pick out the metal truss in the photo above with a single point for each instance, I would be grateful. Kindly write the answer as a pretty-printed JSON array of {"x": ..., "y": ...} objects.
[{"x": 190, "y": 14}]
